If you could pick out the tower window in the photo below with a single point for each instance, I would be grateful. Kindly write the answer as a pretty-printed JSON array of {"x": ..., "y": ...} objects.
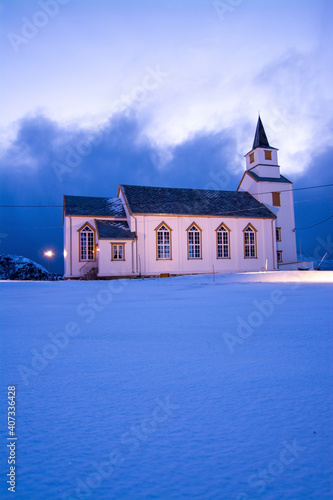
[
  {"x": 251, "y": 157},
  {"x": 278, "y": 234},
  {"x": 276, "y": 200},
  {"x": 268, "y": 155},
  {"x": 279, "y": 256}
]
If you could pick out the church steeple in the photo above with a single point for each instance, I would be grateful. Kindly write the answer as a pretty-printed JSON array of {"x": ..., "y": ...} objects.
[
  {"x": 262, "y": 159},
  {"x": 260, "y": 138}
]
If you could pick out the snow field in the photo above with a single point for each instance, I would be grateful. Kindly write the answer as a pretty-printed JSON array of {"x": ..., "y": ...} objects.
[{"x": 170, "y": 388}]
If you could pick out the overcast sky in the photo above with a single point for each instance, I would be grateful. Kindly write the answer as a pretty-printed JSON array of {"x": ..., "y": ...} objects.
[{"x": 97, "y": 93}]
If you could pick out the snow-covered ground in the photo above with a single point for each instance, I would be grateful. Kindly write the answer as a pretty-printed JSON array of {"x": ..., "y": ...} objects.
[{"x": 184, "y": 388}]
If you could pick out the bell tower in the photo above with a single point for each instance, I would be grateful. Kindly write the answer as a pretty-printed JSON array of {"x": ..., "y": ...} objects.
[{"x": 262, "y": 179}]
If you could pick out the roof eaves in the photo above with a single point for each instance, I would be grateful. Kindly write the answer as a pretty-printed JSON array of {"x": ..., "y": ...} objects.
[
  {"x": 257, "y": 178},
  {"x": 288, "y": 180},
  {"x": 118, "y": 238},
  {"x": 246, "y": 172},
  {"x": 120, "y": 187},
  {"x": 261, "y": 147},
  {"x": 230, "y": 216}
]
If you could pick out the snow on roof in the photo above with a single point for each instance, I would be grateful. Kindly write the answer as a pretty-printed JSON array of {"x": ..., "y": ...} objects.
[
  {"x": 109, "y": 230},
  {"x": 94, "y": 206}
]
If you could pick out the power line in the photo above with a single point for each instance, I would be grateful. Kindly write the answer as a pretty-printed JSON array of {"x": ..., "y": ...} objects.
[
  {"x": 31, "y": 206},
  {"x": 309, "y": 187},
  {"x": 314, "y": 225},
  {"x": 36, "y": 227},
  {"x": 165, "y": 217},
  {"x": 225, "y": 213},
  {"x": 265, "y": 192}
]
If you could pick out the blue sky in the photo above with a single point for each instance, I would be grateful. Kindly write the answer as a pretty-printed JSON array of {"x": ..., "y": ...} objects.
[{"x": 97, "y": 93}]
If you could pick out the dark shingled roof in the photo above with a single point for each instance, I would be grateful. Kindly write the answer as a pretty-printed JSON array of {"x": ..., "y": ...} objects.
[
  {"x": 109, "y": 230},
  {"x": 95, "y": 207},
  {"x": 269, "y": 179},
  {"x": 260, "y": 137},
  {"x": 178, "y": 201}
]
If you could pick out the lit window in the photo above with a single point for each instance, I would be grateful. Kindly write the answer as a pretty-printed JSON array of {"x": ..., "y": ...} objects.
[
  {"x": 87, "y": 237},
  {"x": 279, "y": 256},
  {"x": 222, "y": 235},
  {"x": 276, "y": 199},
  {"x": 268, "y": 155},
  {"x": 250, "y": 243},
  {"x": 278, "y": 234},
  {"x": 163, "y": 242},
  {"x": 251, "y": 157},
  {"x": 194, "y": 242},
  {"x": 117, "y": 251}
]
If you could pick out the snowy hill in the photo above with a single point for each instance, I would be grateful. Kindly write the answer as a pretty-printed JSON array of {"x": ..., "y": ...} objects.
[{"x": 14, "y": 267}]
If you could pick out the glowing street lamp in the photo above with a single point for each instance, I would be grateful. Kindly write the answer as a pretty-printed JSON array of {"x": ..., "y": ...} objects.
[{"x": 48, "y": 254}]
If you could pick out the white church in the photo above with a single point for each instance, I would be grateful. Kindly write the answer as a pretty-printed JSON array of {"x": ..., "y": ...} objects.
[{"x": 157, "y": 231}]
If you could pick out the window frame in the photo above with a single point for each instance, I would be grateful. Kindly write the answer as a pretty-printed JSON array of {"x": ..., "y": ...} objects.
[
  {"x": 188, "y": 231},
  {"x": 252, "y": 157},
  {"x": 279, "y": 253},
  {"x": 92, "y": 230},
  {"x": 222, "y": 229},
  {"x": 276, "y": 199},
  {"x": 164, "y": 244},
  {"x": 117, "y": 244},
  {"x": 254, "y": 232},
  {"x": 268, "y": 154},
  {"x": 278, "y": 234}
]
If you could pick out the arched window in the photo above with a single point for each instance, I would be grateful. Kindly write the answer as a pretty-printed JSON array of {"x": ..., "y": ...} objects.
[
  {"x": 87, "y": 242},
  {"x": 223, "y": 242},
  {"x": 250, "y": 242},
  {"x": 194, "y": 242},
  {"x": 163, "y": 242}
]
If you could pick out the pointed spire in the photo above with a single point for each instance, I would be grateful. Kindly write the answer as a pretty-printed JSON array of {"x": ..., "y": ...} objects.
[{"x": 260, "y": 138}]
